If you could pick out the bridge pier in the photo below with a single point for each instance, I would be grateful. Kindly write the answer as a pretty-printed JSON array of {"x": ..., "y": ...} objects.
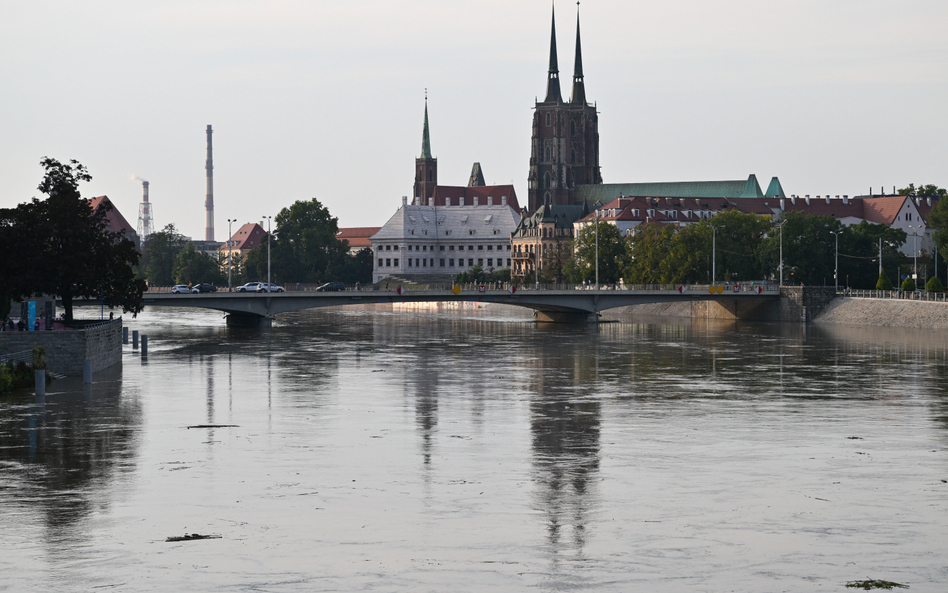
[
  {"x": 565, "y": 316},
  {"x": 248, "y": 320}
]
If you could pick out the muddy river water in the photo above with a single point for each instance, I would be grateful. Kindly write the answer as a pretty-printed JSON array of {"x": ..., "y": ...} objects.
[{"x": 472, "y": 450}]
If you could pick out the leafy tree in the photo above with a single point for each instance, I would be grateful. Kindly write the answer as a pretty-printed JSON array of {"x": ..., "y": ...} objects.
[
  {"x": 908, "y": 284},
  {"x": 63, "y": 247},
  {"x": 923, "y": 191},
  {"x": 689, "y": 256},
  {"x": 555, "y": 259},
  {"x": 193, "y": 267},
  {"x": 883, "y": 283},
  {"x": 611, "y": 253},
  {"x": 859, "y": 252},
  {"x": 934, "y": 285},
  {"x": 646, "y": 250},
  {"x": 808, "y": 246},
  {"x": 739, "y": 238},
  {"x": 159, "y": 253}
]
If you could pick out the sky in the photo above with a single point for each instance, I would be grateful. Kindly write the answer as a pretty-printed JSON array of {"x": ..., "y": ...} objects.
[{"x": 325, "y": 100}]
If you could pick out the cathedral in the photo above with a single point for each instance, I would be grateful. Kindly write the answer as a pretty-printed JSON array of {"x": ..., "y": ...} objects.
[
  {"x": 564, "y": 153},
  {"x": 564, "y": 150}
]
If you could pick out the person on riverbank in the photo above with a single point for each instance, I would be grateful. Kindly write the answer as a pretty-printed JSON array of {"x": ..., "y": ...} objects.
[{"x": 21, "y": 325}]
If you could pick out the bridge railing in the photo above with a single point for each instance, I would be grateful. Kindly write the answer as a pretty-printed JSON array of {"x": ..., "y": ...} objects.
[{"x": 919, "y": 295}]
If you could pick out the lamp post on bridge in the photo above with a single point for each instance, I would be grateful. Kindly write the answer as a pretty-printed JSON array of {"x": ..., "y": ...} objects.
[
  {"x": 836, "y": 270},
  {"x": 596, "y": 209},
  {"x": 268, "y": 219},
  {"x": 915, "y": 230},
  {"x": 230, "y": 248}
]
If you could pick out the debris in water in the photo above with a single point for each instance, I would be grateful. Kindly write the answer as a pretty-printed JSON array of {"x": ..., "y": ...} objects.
[
  {"x": 214, "y": 426},
  {"x": 190, "y": 536},
  {"x": 874, "y": 584}
]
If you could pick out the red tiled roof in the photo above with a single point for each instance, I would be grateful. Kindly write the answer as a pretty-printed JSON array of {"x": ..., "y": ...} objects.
[
  {"x": 497, "y": 192},
  {"x": 358, "y": 236},
  {"x": 882, "y": 210},
  {"x": 116, "y": 222},
  {"x": 248, "y": 236}
]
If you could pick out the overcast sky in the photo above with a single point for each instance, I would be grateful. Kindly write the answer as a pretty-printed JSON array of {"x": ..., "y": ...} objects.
[{"x": 325, "y": 99}]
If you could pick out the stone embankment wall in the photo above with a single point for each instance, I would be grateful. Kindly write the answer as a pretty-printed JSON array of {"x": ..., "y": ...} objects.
[
  {"x": 67, "y": 350},
  {"x": 797, "y": 303},
  {"x": 885, "y": 313}
]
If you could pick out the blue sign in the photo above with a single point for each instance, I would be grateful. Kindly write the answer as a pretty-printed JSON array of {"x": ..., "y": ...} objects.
[{"x": 32, "y": 316}]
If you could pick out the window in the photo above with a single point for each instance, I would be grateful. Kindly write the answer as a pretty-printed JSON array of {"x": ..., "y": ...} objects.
[
  {"x": 409, "y": 262},
  {"x": 480, "y": 248},
  {"x": 451, "y": 263},
  {"x": 572, "y": 128},
  {"x": 388, "y": 248},
  {"x": 508, "y": 262},
  {"x": 447, "y": 232},
  {"x": 395, "y": 248},
  {"x": 441, "y": 248},
  {"x": 470, "y": 263},
  {"x": 442, "y": 263},
  {"x": 388, "y": 263},
  {"x": 424, "y": 262},
  {"x": 409, "y": 248},
  {"x": 424, "y": 248},
  {"x": 471, "y": 232},
  {"x": 450, "y": 247},
  {"x": 548, "y": 120},
  {"x": 480, "y": 262},
  {"x": 490, "y": 262},
  {"x": 395, "y": 261},
  {"x": 380, "y": 262},
  {"x": 470, "y": 248},
  {"x": 490, "y": 248}
]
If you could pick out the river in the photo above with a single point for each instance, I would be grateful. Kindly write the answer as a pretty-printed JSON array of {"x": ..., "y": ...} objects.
[{"x": 473, "y": 450}]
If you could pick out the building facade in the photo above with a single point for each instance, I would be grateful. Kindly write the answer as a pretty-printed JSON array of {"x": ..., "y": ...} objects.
[
  {"x": 542, "y": 242},
  {"x": 426, "y": 242}
]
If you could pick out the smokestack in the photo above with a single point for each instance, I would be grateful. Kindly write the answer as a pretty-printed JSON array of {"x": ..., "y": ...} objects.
[
  {"x": 145, "y": 221},
  {"x": 209, "y": 200}
]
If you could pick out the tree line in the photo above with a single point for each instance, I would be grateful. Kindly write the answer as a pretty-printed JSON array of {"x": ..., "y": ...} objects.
[
  {"x": 746, "y": 248},
  {"x": 303, "y": 248}
]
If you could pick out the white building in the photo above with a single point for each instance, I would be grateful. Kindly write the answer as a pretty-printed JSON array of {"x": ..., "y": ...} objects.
[{"x": 431, "y": 240}]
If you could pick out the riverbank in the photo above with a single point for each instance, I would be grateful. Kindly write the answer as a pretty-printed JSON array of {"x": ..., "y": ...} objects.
[{"x": 885, "y": 313}]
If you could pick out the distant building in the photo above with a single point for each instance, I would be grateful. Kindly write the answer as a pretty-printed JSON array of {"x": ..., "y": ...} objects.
[
  {"x": 248, "y": 236},
  {"x": 432, "y": 241},
  {"x": 357, "y": 237},
  {"x": 116, "y": 223},
  {"x": 544, "y": 239}
]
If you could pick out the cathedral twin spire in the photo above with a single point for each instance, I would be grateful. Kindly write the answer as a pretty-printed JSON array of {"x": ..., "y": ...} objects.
[{"x": 553, "y": 77}]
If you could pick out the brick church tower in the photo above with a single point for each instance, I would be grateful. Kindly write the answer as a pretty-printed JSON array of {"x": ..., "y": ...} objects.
[
  {"x": 426, "y": 167},
  {"x": 564, "y": 150}
]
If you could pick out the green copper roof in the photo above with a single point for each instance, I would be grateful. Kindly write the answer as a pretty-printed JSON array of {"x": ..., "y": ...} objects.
[
  {"x": 606, "y": 192},
  {"x": 775, "y": 190},
  {"x": 425, "y": 140}
]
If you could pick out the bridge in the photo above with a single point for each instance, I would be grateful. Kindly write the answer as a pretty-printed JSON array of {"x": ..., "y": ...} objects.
[{"x": 570, "y": 306}]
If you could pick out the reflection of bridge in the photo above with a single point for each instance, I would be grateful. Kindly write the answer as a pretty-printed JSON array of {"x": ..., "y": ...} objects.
[{"x": 550, "y": 305}]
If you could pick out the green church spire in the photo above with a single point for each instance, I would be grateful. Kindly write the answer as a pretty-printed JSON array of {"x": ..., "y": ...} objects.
[{"x": 425, "y": 139}]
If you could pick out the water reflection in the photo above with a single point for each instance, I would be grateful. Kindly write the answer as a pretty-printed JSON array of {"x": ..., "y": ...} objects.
[{"x": 60, "y": 453}]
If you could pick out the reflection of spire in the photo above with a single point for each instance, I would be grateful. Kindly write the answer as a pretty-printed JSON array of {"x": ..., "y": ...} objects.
[
  {"x": 553, "y": 76},
  {"x": 579, "y": 89}
]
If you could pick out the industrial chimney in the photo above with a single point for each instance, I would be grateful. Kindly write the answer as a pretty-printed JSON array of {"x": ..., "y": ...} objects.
[
  {"x": 146, "y": 225},
  {"x": 209, "y": 200}
]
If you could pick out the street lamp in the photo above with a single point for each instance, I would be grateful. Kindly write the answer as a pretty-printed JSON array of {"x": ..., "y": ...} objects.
[
  {"x": 714, "y": 254},
  {"x": 780, "y": 266},
  {"x": 230, "y": 250},
  {"x": 268, "y": 219},
  {"x": 536, "y": 254},
  {"x": 597, "y": 241},
  {"x": 915, "y": 230},
  {"x": 836, "y": 270}
]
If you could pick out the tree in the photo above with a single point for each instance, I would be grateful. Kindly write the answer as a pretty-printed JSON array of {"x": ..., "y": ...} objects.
[
  {"x": 611, "y": 253},
  {"x": 688, "y": 259},
  {"x": 646, "y": 249},
  {"x": 555, "y": 258},
  {"x": 193, "y": 267},
  {"x": 908, "y": 284},
  {"x": 159, "y": 254},
  {"x": 738, "y": 239},
  {"x": 64, "y": 248},
  {"x": 934, "y": 285},
  {"x": 923, "y": 191},
  {"x": 859, "y": 252},
  {"x": 883, "y": 283},
  {"x": 808, "y": 246}
]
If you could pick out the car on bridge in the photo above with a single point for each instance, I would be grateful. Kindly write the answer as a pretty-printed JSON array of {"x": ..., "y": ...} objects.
[
  {"x": 248, "y": 287},
  {"x": 331, "y": 287},
  {"x": 180, "y": 289},
  {"x": 204, "y": 287},
  {"x": 264, "y": 287}
]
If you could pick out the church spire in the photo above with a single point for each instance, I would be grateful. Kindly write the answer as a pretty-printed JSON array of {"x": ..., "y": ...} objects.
[
  {"x": 553, "y": 77},
  {"x": 425, "y": 140},
  {"x": 579, "y": 89}
]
